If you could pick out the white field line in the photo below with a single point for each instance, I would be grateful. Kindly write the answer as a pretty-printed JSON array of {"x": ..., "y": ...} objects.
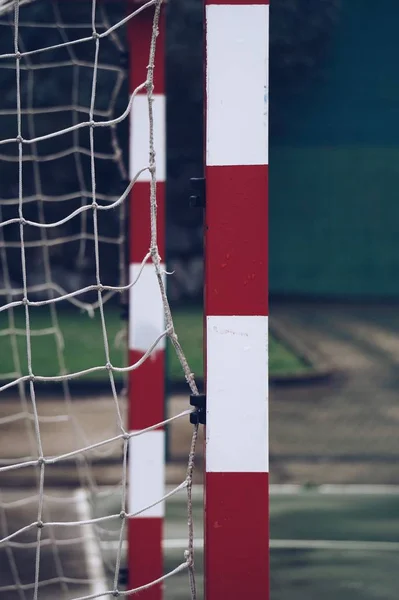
[
  {"x": 344, "y": 490},
  {"x": 294, "y": 489},
  {"x": 94, "y": 561},
  {"x": 174, "y": 544},
  {"x": 342, "y": 545},
  {"x": 93, "y": 551},
  {"x": 291, "y": 489}
]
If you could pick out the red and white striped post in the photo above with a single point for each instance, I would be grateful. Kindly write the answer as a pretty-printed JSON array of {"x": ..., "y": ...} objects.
[
  {"x": 146, "y": 317},
  {"x": 236, "y": 300}
]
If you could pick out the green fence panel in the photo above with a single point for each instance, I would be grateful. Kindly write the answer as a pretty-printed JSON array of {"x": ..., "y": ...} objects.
[{"x": 334, "y": 169}]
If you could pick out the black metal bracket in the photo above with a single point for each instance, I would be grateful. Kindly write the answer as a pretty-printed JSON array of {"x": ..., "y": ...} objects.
[
  {"x": 198, "y": 198},
  {"x": 198, "y": 417}
]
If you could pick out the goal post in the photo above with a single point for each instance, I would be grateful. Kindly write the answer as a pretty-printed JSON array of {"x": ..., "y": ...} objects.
[
  {"x": 65, "y": 104},
  {"x": 236, "y": 299},
  {"x": 146, "y": 386}
]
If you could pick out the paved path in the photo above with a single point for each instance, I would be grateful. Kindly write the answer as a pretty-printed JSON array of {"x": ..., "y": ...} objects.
[{"x": 345, "y": 430}]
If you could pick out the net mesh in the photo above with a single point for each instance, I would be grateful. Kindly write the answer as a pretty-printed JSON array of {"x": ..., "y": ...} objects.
[{"x": 63, "y": 122}]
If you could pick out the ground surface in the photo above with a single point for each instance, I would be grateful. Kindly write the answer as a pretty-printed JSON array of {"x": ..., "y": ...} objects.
[{"x": 331, "y": 545}]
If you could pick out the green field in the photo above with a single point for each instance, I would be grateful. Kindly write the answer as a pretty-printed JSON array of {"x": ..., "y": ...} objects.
[{"x": 84, "y": 346}]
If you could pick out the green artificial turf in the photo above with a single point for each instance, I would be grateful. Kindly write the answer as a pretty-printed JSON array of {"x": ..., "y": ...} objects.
[{"x": 83, "y": 345}]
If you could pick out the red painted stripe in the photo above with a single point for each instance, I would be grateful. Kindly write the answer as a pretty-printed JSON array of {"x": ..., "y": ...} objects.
[
  {"x": 235, "y": 2},
  {"x": 140, "y": 217},
  {"x": 139, "y": 39},
  {"x": 236, "y": 240},
  {"x": 236, "y": 536},
  {"x": 145, "y": 556},
  {"x": 146, "y": 390}
]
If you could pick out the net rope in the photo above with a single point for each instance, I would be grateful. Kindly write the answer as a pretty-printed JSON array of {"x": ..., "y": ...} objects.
[{"x": 27, "y": 213}]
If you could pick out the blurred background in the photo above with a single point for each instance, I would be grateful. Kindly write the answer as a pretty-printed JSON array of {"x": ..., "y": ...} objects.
[{"x": 334, "y": 263}]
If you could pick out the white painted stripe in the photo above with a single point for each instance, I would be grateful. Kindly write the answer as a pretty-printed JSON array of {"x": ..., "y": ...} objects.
[
  {"x": 237, "y": 84},
  {"x": 345, "y": 545},
  {"x": 140, "y": 138},
  {"x": 147, "y": 473},
  {"x": 292, "y": 489},
  {"x": 146, "y": 320},
  {"x": 174, "y": 544},
  {"x": 94, "y": 562},
  {"x": 340, "y": 545},
  {"x": 237, "y": 394},
  {"x": 277, "y": 489}
]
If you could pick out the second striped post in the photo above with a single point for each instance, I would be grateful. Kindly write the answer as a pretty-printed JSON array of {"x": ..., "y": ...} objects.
[{"x": 146, "y": 317}]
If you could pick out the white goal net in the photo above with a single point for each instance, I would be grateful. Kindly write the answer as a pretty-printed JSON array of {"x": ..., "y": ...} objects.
[{"x": 64, "y": 188}]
